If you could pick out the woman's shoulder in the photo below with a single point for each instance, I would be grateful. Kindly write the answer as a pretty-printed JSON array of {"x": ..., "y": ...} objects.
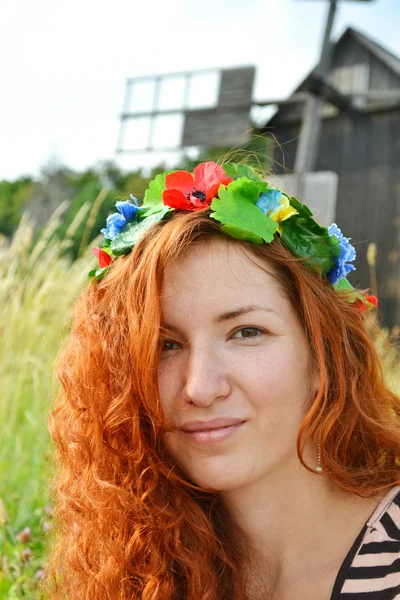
[{"x": 372, "y": 568}]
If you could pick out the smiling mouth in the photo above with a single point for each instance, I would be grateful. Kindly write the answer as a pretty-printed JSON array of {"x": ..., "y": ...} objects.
[
  {"x": 212, "y": 436},
  {"x": 213, "y": 429}
]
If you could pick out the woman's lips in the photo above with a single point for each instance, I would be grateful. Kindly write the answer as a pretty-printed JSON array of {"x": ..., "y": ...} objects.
[{"x": 213, "y": 435}]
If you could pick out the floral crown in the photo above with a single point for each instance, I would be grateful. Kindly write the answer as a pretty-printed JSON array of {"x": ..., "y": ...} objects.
[{"x": 247, "y": 207}]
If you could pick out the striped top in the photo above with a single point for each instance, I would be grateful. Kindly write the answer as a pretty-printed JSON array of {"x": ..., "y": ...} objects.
[{"x": 371, "y": 569}]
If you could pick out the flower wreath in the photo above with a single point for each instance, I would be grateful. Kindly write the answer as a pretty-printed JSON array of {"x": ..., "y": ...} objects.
[{"x": 247, "y": 207}]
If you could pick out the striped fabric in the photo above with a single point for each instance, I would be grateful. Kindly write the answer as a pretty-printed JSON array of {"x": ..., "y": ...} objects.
[{"x": 371, "y": 569}]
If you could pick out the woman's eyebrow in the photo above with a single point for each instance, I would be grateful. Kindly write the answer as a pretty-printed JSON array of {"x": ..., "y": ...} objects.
[
  {"x": 237, "y": 312},
  {"x": 231, "y": 314}
]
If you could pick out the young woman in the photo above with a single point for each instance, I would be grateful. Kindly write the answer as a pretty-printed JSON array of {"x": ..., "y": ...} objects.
[{"x": 224, "y": 430}]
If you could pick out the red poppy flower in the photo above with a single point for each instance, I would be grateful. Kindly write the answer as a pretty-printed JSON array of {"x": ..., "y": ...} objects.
[
  {"x": 362, "y": 307},
  {"x": 194, "y": 192},
  {"x": 104, "y": 259}
]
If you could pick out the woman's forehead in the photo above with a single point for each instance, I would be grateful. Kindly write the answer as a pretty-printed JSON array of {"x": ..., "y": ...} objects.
[{"x": 219, "y": 274}]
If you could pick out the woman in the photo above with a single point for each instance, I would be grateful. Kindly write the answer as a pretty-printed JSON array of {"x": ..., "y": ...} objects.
[{"x": 224, "y": 429}]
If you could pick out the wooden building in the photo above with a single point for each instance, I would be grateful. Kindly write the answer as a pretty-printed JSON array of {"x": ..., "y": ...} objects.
[{"x": 363, "y": 148}]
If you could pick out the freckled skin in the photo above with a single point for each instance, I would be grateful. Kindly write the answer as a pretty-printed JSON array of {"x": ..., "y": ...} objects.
[{"x": 207, "y": 370}]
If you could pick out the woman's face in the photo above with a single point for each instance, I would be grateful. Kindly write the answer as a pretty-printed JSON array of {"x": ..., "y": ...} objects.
[{"x": 234, "y": 348}]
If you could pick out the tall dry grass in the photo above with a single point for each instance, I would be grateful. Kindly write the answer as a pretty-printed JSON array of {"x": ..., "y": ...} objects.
[{"x": 38, "y": 285}]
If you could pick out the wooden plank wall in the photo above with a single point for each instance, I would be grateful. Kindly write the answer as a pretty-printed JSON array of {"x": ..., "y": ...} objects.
[{"x": 365, "y": 153}]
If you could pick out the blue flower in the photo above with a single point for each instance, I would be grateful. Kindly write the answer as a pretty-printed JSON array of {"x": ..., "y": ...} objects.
[
  {"x": 269, "y": 202},
  {"x": 347, "y": 253},
  {"x": 114, "y": 224},
  {"x": 127, "y": 209},
  {"x": 116, "y": 221}
]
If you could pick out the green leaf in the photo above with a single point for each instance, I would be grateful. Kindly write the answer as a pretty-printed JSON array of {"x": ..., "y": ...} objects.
[
  {"x": 343, "y": 286},
  {"x": 132, "y": 232},
  {"x": 239, "y": 233},
  {"x": 237, "y": 171},
  {"x": 334, "y": 244},
  {"x": 243, "y": 188},
  {"x": 310, "y": 241},
  {"x": 99, "y": 273},
  {"x": 154, "y": 209},
  {"x": 351, "y": 294},
  {"x": 152, "y": 202},
  {"x": 240, "y": 218},
  {"x": 153, "y": 194},
  {"x": 303, "y": 210}
]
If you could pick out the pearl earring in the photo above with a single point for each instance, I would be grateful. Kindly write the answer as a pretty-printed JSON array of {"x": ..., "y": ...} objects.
[{"x": 318, "y": 468}]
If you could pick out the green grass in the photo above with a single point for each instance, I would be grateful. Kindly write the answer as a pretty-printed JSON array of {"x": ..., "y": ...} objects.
[{"x": 38, "y": 286}]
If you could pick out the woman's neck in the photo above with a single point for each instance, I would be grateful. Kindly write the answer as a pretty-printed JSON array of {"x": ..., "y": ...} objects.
[{"x": 297, "y": 522}]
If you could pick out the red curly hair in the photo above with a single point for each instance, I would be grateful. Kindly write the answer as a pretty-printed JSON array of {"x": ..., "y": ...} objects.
[{"x": 129, "y": 523}]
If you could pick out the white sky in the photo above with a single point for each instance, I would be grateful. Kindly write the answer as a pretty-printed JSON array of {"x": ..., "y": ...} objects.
[{"x": 64, "y": 64}]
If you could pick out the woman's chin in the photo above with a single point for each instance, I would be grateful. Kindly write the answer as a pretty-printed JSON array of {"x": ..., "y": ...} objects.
[{"x": 218, "y": 480}]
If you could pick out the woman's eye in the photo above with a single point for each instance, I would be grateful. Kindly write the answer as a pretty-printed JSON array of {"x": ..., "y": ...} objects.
[
  {"x": 169, "y": 345},
  {"x": 247, "y": 332}
]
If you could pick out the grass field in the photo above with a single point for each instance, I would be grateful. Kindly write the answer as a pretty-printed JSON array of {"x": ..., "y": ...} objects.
[{"x": 37, "y": 289}]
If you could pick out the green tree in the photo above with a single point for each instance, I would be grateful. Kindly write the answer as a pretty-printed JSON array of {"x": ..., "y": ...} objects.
[{"x": 14, "y": 195}]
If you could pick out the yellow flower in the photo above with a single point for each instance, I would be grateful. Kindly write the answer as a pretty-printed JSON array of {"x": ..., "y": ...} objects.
[{"x": 283, "y": 212}]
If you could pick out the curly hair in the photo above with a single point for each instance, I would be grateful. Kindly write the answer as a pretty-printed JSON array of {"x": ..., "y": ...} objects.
[{"x": 129, "y": 523}]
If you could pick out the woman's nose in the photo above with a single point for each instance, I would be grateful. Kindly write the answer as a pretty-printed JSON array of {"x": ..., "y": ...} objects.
[{"x": 207, "y": 378}]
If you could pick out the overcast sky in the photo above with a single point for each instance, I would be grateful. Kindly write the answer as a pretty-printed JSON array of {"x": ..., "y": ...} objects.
[{"x": 65, "y": 63}]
